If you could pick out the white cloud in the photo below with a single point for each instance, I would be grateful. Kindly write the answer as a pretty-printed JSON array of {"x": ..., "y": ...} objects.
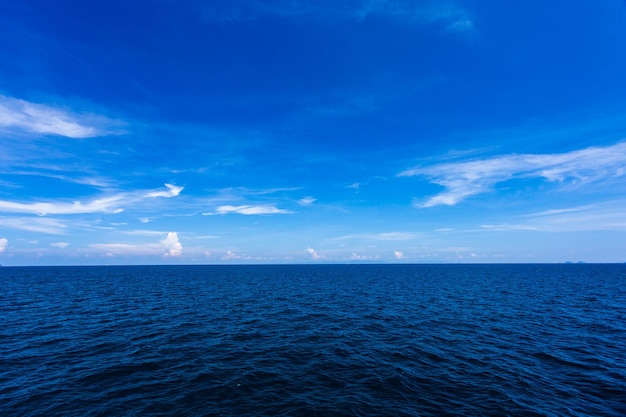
[
  {"x": 109, "y": 204},
  {"x": 105, "y": 205},
  {"x": 306, "y": 201},
  {"x": 48, "y": 120},
  {"x": 508, "y": 227},
  {"x": 60, "y": 245},
  {"x": 398, "y": 254},
  {"x": 248, "y": 210},
  {"x": 607, "y": 215},
  {"x": 36, "y": 224},
  {"x": 230, "y": 256},
  {"x": 314, "y": 255},
  {"x": 172, "y": 245},
  {"x": 172, "y": 191},
  {"x": 356, "y": 257},
  {"x": 127, "y": 248},
  {"x": 3, "y": 244},
  {"x": 553, "y": 212},
  {"x": 142, "y": 232},
  {"x": 52, "y": 171},
  {"x": 465, "y": 179}
]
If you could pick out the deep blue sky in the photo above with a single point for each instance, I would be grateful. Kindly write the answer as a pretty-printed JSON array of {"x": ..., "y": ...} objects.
[{"x": 300, "y": 131}]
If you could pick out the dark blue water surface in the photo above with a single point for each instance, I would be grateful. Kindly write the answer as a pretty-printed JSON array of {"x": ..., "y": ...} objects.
[{"x": 325, "y": 340}]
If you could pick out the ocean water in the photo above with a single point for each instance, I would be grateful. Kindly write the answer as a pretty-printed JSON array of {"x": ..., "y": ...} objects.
[{"x": 314, "y": 340}]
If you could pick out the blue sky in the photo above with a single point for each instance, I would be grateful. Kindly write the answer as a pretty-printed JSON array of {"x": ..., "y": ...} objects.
[{"x": 299, "y": 131}]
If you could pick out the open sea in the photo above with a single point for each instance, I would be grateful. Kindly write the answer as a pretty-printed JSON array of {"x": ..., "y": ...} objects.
[{"x": 313, "y": 340}]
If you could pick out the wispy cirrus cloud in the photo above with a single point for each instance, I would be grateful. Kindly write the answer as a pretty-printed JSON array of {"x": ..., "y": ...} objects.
[
  {"x": 461, "y": 180},
  {"x": 34, "y": 224},
  {"x": 606, "y": 216},
  {"x": 447, "y": 13},
  {"x": 172, "y": 191},
  {"x": 25, "y": 116},
  {"x": 51, "y": 172},
  {"x": 307, "y": 201},
  {"x": 110, "y": 204},
  {"x": 248, "y": 210}
]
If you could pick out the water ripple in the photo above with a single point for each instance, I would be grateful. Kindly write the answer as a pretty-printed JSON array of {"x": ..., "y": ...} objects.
[{"x": 507, "y": 340}]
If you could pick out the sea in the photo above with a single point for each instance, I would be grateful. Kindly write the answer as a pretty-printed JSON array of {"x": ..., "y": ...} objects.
[{"x": 313, "y": 340}]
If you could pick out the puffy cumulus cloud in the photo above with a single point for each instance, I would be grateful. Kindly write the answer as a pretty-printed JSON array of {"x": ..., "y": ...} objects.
[
  {"x": 60, "y": 245},
  {"x": 314, "y": 255},
  {"x": 248, "y": 210},
  {"x": 4, "y": 242},
  {"x": 398, "y": 254},
  {"x": 464, "y": 179},
  {"x": 230, "y": 255},
  {"x": 43, "y": 119},
  {"x": 172, "y": 245}
]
